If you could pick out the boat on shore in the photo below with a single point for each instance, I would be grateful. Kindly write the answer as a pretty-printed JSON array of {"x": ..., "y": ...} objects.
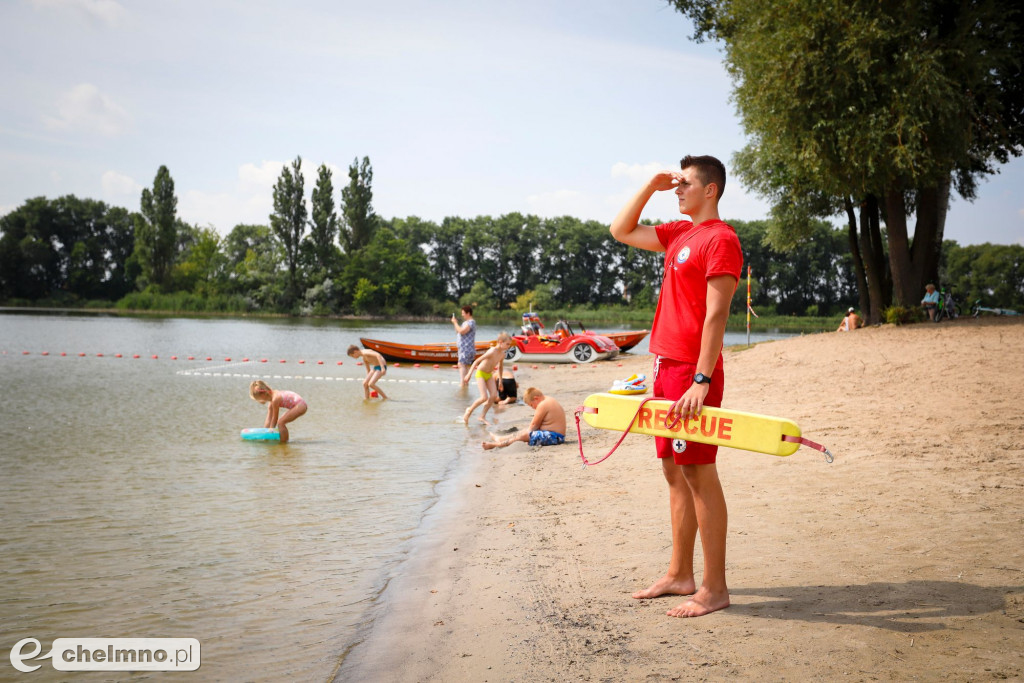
[
  {"x": 449, "y": 352},
  {"x": 627, "y": 340},
  {"x": 419, "y": 353}
]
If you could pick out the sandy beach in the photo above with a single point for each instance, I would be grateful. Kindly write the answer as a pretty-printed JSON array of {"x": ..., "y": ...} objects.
[{"x": 903, "y": 559}]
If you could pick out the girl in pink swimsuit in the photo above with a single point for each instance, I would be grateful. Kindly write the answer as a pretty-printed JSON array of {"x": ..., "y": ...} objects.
[{"x": 294, "y": 404}]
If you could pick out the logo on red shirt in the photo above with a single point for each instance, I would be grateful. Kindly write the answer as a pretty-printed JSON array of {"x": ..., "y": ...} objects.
[{"x": 684, "y": 254}]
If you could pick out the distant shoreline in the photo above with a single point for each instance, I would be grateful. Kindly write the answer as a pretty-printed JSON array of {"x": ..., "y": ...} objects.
[{"x": 793, "y": 324}]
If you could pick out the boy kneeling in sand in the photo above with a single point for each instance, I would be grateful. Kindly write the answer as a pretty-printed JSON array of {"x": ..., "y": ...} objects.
[{"x": 547, "y": 428}]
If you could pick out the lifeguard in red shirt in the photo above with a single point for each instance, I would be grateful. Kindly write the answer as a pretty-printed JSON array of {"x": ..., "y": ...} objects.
[{"x": 703, "y": 261}]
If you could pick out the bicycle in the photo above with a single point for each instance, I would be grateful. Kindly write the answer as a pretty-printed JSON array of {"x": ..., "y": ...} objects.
[
  {"x": 948, "y": 306},
  {"x": 977, "y": 309}
]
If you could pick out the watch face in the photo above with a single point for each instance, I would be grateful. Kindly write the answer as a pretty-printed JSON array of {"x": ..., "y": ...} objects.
[{"x": 700, "y": 378}]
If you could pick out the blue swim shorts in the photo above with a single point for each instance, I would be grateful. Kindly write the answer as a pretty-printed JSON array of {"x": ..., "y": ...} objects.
[{"x": 543, "y": 437}]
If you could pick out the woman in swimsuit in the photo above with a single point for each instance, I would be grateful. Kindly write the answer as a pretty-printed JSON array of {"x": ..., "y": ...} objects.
[
  {"x": 376, "y": 368},
  {"x": 294, "y": 404}
]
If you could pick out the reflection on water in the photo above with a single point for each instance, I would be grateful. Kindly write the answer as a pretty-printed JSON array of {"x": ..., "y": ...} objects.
[{"x": 131, "y": 507}]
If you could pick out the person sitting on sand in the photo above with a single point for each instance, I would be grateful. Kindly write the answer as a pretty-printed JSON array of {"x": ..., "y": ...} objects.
[
  {"x": 930, "y": 302},
  {"x": 851, "y": 322},
  {"x": 486, "y": 366},
  {"x": 547, "y": 428},
  {"x": 376, "y": 368},
  {"x": 508, "y": 389}
]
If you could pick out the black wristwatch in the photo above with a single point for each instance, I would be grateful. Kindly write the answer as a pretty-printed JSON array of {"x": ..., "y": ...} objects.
[{"x": 701, "y": 378}]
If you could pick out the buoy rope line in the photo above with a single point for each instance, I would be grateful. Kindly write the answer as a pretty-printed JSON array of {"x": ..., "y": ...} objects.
[
  {"x": 263, "y": 375},
  {"x": 217, "y": 370},
  {"x": 404, "y": 364}
]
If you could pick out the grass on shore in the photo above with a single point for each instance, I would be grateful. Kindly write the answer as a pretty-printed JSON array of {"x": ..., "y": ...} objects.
[{"x": 594, "y": 319}]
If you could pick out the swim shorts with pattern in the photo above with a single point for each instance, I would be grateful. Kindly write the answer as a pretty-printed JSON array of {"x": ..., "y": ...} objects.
[{"x": 542, "y": 437}]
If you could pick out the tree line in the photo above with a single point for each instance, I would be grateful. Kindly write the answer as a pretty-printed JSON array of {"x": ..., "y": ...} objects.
[{"x": 338, "y": 257}]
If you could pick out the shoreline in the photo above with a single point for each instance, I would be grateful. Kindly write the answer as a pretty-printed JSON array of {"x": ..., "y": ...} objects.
[
  {"x": 902, "y": 558},
  {"x": 764, "y": 325}
]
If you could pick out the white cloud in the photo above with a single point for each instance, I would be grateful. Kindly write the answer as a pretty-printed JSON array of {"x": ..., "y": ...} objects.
[
  {"x": 253, "y": 178},
  {"x": 561, "y": 203},
  {"x": 638, "y": 173},
  {"x": 108, "y": 12},
  {"x": 85, "y": 109},
  {"x": 249, "y": 198},
  {"x": 117, "y": 186}
]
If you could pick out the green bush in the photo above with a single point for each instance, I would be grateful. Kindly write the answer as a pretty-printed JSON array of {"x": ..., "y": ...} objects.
[{"x": 899, "y": 315}]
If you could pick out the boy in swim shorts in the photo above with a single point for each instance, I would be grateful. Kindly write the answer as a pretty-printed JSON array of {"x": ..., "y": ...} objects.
[
  {"x": 485, "y": 368},
  {"x": 376, "y": 368},
  {"x": 547, "y": 428}
]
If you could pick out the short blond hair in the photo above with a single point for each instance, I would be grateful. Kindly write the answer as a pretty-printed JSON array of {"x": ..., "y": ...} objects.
[{"x": 532, "y": 393}]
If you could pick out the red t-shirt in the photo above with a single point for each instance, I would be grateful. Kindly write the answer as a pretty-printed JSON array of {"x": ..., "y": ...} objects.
[{"x": 692, "y": 256}]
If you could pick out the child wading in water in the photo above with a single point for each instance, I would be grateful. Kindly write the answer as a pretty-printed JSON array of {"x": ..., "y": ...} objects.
[
  {"x": 294, "y": 404},
  {"x": 486, "y": 366},
  {"x": 375, "y": 369},
  {"x": 547, "y": 428}
]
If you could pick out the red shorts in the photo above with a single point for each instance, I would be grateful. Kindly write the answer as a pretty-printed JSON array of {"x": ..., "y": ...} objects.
[{"x": 671, "y": 380}]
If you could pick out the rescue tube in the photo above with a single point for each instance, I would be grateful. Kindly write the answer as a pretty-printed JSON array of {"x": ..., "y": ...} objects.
[
  {"x": 261, "y": 434},
  {"x": 719, "y": 426}
]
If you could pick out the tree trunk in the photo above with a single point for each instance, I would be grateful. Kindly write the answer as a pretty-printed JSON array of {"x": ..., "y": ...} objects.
[
  {"x": 904, "y": 280},
  {"x": 873, "y": 253},
  {"x": 864, "y": 300},
  {"x": 926, "y": 250},
  {"x": 913, "y": 265}
]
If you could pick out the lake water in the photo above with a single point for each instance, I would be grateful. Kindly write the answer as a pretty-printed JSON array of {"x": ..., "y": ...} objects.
[{"x": 131, "y": 507}]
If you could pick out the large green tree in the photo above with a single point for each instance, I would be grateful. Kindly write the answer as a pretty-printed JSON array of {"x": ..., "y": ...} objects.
[
  {"x": 156, "y": 231},
  {"x": 388, "y": 276},
  {"x": 289, "y": 220},
  {"x": 66, "y": 247},
  {"x": 876, "y": 107},
  {"x": 359, "y": 222},
  {"x": 254, "y": 256},
  {"x": 323, "y": 226},
  {"x": 991, "y": 274}
]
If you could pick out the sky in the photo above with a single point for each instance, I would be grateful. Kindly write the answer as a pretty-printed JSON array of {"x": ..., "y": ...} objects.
[{"x": 464, "y": 108}]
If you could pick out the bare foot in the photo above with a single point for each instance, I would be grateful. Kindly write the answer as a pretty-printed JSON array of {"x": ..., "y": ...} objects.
[
  {"x": 484, "y": 420},
  {"x": 703, "y": 602},
  {"x": 667, "y": 585},
  {"x": 486, "y": 445},
  {"x": 465, "y": 417}
]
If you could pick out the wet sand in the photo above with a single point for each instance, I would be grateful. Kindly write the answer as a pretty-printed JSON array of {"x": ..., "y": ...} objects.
[{"x": 903, "y": 559}]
